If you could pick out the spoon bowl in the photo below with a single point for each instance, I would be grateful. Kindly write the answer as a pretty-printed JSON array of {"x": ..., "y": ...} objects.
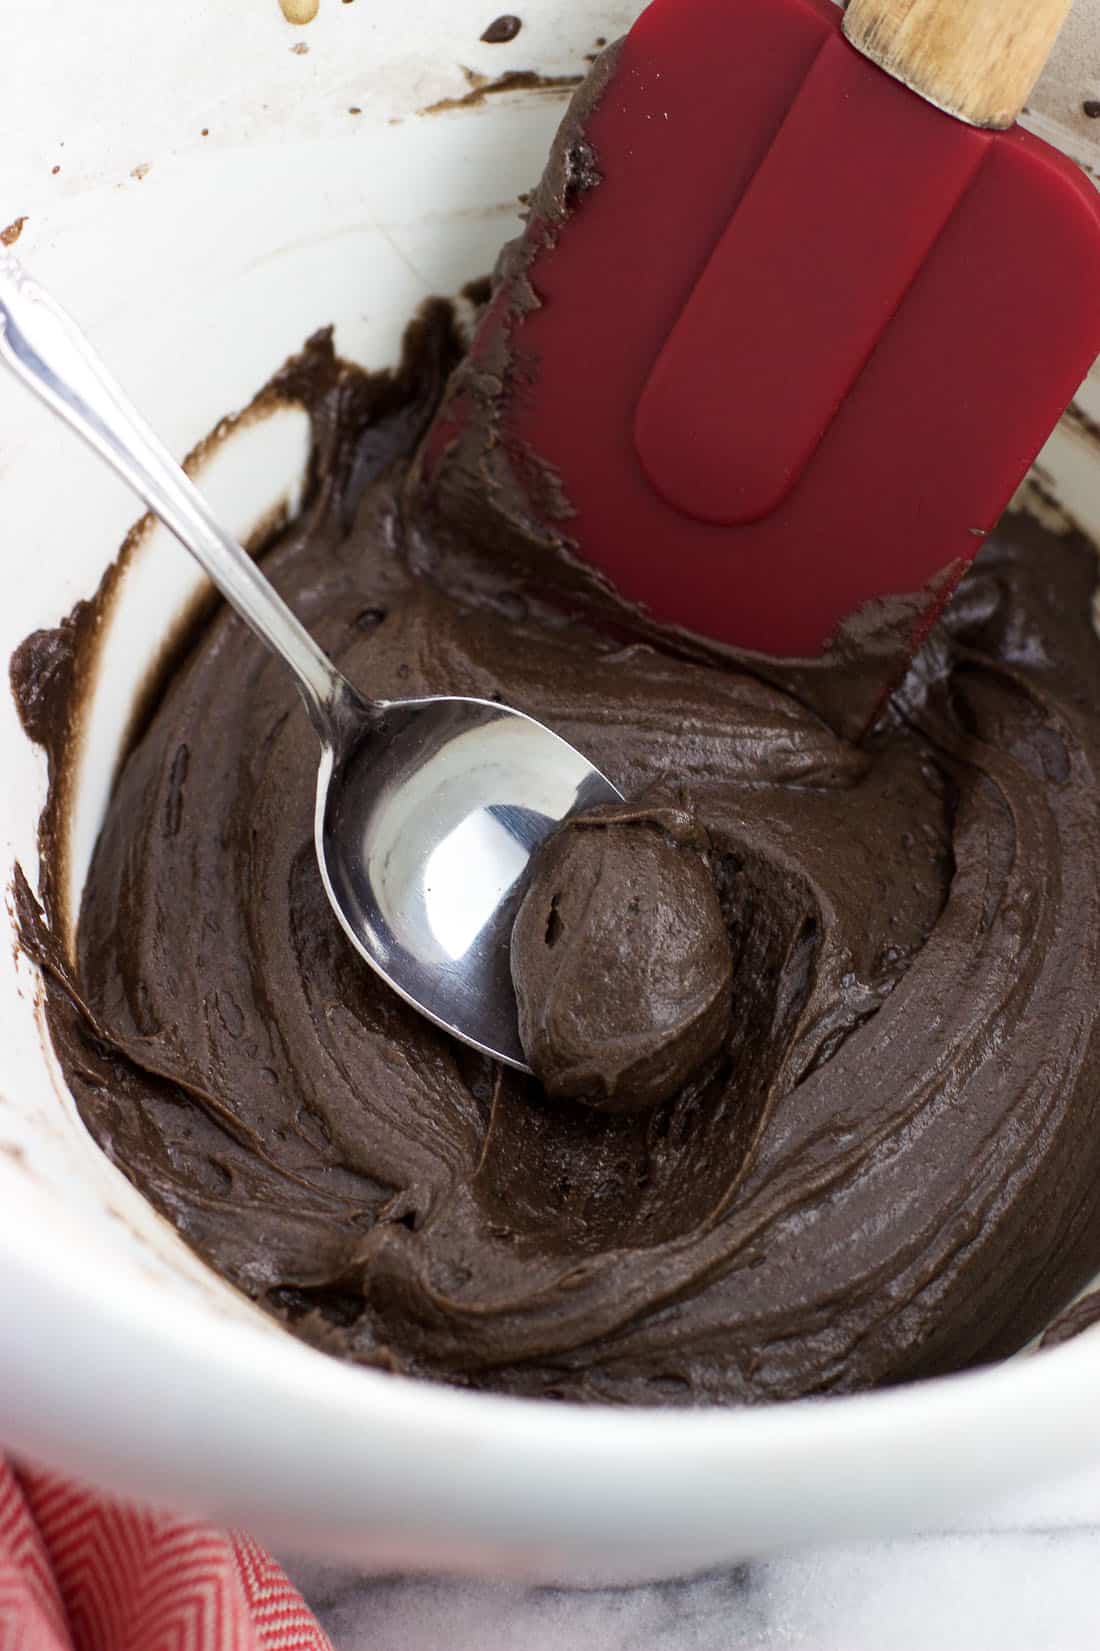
[
  {"x": 429, "y": 810},
  {"x": 428, "y": 814}
]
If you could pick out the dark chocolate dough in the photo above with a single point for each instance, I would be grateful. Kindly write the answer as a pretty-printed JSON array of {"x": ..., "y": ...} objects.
[
  {"x": 621, "y": 958},
  {"x": 895, "y": 1168},
  {"x": 892, "y": 1167}
]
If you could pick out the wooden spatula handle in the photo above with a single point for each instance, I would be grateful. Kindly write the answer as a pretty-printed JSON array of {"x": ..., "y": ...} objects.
[{"x": 977, "y": 59}]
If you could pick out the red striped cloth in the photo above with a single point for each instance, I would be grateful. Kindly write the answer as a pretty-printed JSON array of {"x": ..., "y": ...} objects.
[{"x": 82, "y": 1572}]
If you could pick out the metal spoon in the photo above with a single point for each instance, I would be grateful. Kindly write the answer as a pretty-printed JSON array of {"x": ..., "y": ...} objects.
[{"x": 428, "y": 810}]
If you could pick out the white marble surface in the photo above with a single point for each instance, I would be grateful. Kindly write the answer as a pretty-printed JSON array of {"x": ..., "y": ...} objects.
[{"x": 1011, "y": 1579}]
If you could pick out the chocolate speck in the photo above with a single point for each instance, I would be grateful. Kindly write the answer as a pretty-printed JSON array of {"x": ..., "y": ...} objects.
[
  {"x": 1091, "y": 107},
  {"x": 355, "y": 110},
  {"x": 502, "y": 30},
  {"x": 300, "y": 49},
  {"x": 9, "y": 236},
  {"x": 141, "y": 171},
  {"x": 54, "y": 170}
]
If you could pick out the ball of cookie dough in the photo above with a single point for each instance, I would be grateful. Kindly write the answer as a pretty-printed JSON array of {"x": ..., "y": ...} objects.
[{"x": 621, "y": 958}]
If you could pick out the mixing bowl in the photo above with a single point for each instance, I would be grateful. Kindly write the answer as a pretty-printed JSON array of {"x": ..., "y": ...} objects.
[{"x": 204, "y": 185}]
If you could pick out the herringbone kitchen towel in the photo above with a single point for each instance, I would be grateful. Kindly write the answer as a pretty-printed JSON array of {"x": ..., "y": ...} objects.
[{"x": 81, "y": 1572}]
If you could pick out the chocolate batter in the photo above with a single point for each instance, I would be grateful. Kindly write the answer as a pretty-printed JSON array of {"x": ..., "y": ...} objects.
[
  {"x": 621, "y": 958},
  {"x": 880, "y": 1156},
  {"x": 894, "y": 1167}
]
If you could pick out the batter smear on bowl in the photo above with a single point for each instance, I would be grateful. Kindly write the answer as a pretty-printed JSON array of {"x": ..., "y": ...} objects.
[{"x": 868, "y": 1149}]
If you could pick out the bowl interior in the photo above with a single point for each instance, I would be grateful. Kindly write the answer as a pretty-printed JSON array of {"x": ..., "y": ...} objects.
[{"x": 200, "y": 241}]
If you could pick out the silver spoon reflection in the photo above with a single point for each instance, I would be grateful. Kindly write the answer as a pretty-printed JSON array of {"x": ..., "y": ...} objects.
[{"x": 428, "y": 810}]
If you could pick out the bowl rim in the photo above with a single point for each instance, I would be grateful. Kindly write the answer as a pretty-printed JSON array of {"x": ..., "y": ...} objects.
[{"x": 361, "y": 1450}]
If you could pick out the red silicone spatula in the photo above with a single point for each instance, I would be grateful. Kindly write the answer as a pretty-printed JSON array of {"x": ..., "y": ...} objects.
[{"x": 799, "y": 344}]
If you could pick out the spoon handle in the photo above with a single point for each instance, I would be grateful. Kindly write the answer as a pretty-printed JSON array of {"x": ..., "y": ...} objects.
[{"x": 44, "y": 347}]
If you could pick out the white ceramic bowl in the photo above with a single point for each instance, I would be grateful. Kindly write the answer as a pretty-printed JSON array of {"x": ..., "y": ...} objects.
[{"x": 226, "y": 184}]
